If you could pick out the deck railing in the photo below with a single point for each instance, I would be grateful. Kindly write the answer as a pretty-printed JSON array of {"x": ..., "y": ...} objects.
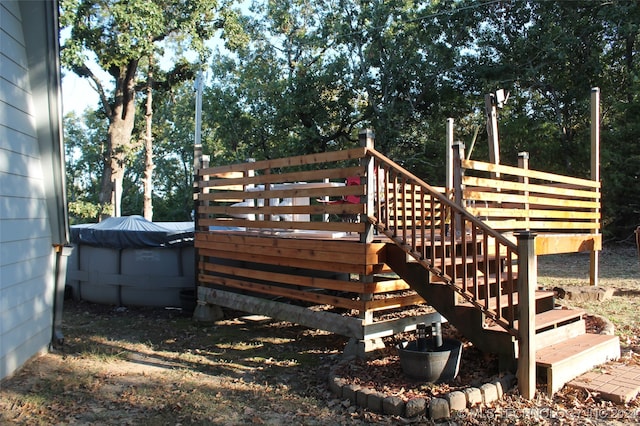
[
  {"x": 419, "y": 218},
  {"x": 457, "y": 235},
  {"x": 516, "y": 198},
  {"x": 284, "y": 195}
]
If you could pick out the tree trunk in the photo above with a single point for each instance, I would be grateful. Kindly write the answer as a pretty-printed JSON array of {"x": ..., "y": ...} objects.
[
  {"x": 121, "y": 121},
  {"x": 147, "y": 181}
]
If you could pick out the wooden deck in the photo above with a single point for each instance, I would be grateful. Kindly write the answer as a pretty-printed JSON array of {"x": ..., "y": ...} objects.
[
  {"x": 335, "y": 283},
  {"x": 351, "y": 243}
]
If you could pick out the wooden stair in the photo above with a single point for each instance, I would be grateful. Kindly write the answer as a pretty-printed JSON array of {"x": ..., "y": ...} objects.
[
  {"x": 567, "y": 359},
  {"x": 564, "y": 349}
]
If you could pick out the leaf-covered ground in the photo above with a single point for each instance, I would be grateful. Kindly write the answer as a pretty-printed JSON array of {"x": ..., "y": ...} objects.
[{"x": 143, "y": 366}]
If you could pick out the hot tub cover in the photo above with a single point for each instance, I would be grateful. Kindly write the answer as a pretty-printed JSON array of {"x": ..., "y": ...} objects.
[{"x": 133, "y": 232}]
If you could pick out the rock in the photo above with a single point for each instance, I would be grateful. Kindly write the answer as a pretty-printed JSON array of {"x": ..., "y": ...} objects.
[
  {"x": 489, "y": 393},
  {"x": 474, "y": 396},
  {"x": 457, "y": 401},
  {"x": 374, "y": 402},
  {"x": 439, "y": 409},
  {"x": 499, "y": 389},
  {"x": 349, "y": 392},
  {"x": 335, "y": 385},
  {"x": 415, "y": 407},
  {"x": 392, "y": 405},
  {"x": 583, "y": 294},
  {"x": 362, "y": 396}
]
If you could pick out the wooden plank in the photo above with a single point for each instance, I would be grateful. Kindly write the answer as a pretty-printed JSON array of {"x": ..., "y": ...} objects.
[
  {"x": 310, "y": 255},
  {"x": 567, "y": 243},
  {"x": 493, "y": 184},
  {"x": 385, "y": 286},
  {"x": 301, "y": 160},
  {"x": 550, "y": 318},
  {"x": 564, "y": 225},
  {"x": 286, "y": 292},
  {"x": 315, "y": 209},
  {"x": 573, "y": 349},
  {"x": 532, "y": 174},
  {"x": 306, "y": 281},
  {"x": 334, "y": 323},
  {"x": 351, "y": 268},
  {"x": 470, "y": 194},
  {"x": 330, "y": 191},
  {"x": 285, "y": 278},
  {"x": 291, "y": 178},
  {"x": 348, "y": 247},
  {"x": 282, "y": 225},
  {"x": 393, "y": 302},
  {"x": 521, "y": 213},
  {"x": 512, "y": 224},
  {"x": 575, "y": 356}
]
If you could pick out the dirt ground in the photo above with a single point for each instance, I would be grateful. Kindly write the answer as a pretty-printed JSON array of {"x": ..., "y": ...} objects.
[{"x": 143, "y": 366}]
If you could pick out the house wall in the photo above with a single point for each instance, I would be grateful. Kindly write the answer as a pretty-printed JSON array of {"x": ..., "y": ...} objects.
[{"x": 27, "y": 256}]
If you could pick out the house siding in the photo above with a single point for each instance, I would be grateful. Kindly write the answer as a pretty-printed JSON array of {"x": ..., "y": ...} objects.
[{"x": 27, "y": 258}]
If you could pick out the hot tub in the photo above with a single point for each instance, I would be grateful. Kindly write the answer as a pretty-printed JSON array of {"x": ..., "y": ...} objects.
[{"x": 131, "y": 261}]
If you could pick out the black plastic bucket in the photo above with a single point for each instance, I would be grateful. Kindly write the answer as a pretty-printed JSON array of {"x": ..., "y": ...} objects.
[{"x": 433, "y": 365}]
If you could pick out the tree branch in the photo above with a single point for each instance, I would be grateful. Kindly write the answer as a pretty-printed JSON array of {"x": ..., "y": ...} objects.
[{"x": 84, "y": 72}]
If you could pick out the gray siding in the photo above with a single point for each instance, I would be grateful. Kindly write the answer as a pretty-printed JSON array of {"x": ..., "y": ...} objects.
[{"x": 26, "y": 256}]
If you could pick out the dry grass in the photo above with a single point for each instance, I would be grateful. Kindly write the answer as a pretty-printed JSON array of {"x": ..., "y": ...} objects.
[
  {"x": 619, "y": 270},
  {"x": 148, "y": 366}
]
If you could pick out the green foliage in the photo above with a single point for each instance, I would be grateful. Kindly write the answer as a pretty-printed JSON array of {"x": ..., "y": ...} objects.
[{"x": 300, "y": 77}]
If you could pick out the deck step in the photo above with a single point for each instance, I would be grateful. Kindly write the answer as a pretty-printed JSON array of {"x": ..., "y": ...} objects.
[
  {"x": 504, "y": 299},
  {"x": 550, "y": 319},
  {"x": 567, "y": 360}
]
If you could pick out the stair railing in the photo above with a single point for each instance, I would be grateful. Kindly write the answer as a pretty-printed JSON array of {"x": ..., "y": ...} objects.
[{"x": 455, "y": 246}]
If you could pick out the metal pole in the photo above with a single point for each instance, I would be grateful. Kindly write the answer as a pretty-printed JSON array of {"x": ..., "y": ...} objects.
[
  {"x": 449, "y": 158},
  {"x": 595, "y": 172},
  {"x": 198, "y": 129}
]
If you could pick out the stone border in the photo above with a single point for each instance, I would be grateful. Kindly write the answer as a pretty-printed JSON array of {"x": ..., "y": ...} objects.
[{"x": 436, "y": 408}]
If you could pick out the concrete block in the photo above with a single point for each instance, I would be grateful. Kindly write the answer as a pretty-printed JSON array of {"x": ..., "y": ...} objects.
[
  {"x": 498, "y": 384},
  {"x": 349, "y": 392},
  {"x": 489, "y": 393},
  {"x": 205, "y": 312},
  {"x": 457, "y": 401},
  {"x": 393, "y": 405},
  {"x": 439, "y": 409},
  {"x": 335, "y": 385},
  {"x": 374, "y": 402},
  {"x": 362, "y": 349},
  {"x": 362, "y": 396},
  {"x": 474, "y": 397},
  {"x": 415, "y": 407}
]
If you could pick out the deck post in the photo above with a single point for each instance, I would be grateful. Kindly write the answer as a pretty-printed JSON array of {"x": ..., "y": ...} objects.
[
  {"x": 458, "y": 198},
  {"x": 527, "y": 284},
  {"x": 449, "y": 158},
  {"x": 367, "y": 140},
  {"x": 491, "y": 111},
  {"x": 523, "y": 163},
  {"x": 203, "y": 312},
  {"x": 358, "y": 348},
  {"x": 595, "y": 171}
]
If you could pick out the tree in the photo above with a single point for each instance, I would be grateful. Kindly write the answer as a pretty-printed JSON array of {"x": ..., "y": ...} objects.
[
  {"x": 120, "y": 34},
  {"x": 84, "y": 141}
]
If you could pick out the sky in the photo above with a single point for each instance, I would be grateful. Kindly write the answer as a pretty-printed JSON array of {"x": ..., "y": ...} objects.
[{"x": 77, "y": 94}]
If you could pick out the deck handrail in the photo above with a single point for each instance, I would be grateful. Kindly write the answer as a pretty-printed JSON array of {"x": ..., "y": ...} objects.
[
  {"x": 518, "y": 198},
  {"x": 291, "y": 194},
  {"x": 415, "y": 215}
]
